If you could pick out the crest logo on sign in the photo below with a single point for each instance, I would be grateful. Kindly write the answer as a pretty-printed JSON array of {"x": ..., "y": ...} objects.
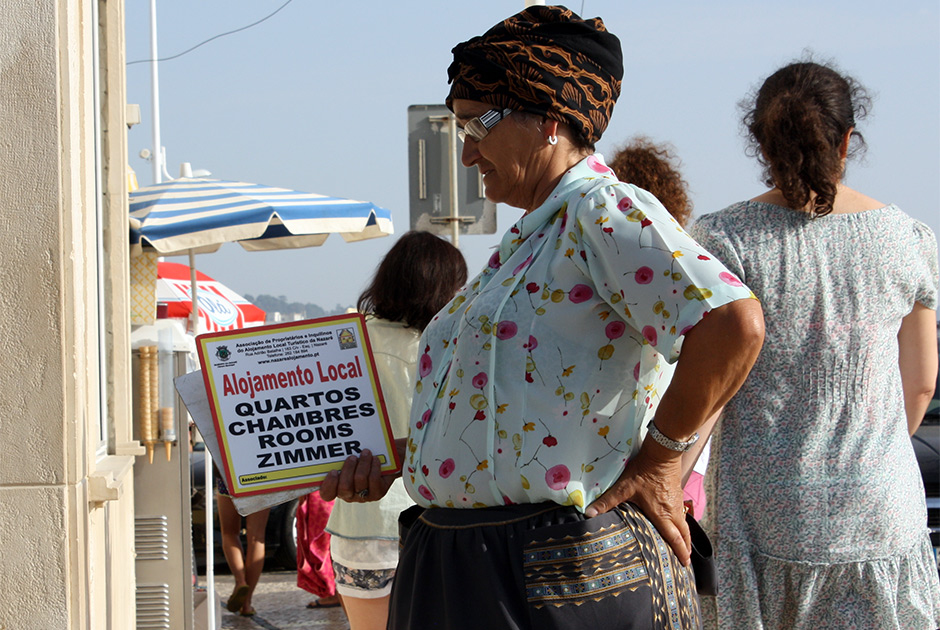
[{"x": 347, "y": 339}]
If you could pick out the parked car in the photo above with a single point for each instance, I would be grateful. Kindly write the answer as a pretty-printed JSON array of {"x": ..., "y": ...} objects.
[
  {"x": 927, "y": 448},
  {"x": 926, "y": 441},
  {"x": 280, "y": 536}
]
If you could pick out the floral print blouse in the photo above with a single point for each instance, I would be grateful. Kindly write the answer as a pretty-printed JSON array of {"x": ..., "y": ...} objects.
[{"x": 533, "y": 382}]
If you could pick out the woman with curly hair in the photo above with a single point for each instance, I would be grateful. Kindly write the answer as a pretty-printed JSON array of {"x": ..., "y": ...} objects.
[{"x": 816, "y": 501}]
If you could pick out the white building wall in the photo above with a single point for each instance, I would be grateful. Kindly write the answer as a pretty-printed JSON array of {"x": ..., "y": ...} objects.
[{"x": 66, "y": 527}]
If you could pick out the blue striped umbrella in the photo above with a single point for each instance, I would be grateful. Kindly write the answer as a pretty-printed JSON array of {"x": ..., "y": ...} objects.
[
  {"x": 198, "y": 215},
  {"x": 195, "y": 215}
]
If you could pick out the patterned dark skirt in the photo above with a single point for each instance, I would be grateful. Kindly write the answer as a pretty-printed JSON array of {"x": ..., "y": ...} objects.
[{"x": 538, "y": 567}]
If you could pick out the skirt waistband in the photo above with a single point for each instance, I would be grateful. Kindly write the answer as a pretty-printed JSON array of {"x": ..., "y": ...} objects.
[{"x": 453, "y": 518}]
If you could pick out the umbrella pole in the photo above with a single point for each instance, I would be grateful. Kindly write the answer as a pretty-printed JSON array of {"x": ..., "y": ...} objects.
[
  {"x": 193, "y": 298},
  {"x": 210, "y": 541},
  {"x": 209, "y": 492}
]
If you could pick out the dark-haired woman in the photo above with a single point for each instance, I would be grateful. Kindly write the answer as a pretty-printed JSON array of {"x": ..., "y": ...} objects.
[
  {"x": 418, "y": 276},
  {"x": 817, "y": 504}
]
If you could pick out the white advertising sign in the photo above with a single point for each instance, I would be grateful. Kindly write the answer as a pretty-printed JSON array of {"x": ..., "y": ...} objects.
[{"x": 290, "y": 402}]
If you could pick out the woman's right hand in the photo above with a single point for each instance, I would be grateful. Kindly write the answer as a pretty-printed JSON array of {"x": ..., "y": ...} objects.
[
  {"x": 651, "y": 480},
  {"x": 717, "y": 355},
  {"x": 360, "y": 480}
]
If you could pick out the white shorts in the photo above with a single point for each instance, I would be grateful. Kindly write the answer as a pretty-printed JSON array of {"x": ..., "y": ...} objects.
[{"x": 364, "y": 568}]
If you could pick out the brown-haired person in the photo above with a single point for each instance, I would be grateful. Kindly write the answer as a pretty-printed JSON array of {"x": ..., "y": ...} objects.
[
  {"x": 416, "y": 278},
  {"x": 815, "y": 498},
  {"x": 523, "y": 446},
  {"x": 655, "y": 167}
]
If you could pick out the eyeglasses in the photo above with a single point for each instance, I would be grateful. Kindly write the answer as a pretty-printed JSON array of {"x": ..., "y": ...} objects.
[{"x": 477, "y": 128}]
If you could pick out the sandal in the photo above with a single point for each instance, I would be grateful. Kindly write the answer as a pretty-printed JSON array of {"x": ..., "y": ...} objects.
[
  {"x": 325, "y": 602},
  {"x": 237, "y": 600}
]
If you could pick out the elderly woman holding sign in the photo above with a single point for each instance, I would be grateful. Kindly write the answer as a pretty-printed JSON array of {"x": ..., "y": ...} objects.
[{"x": 537, "y": 506}]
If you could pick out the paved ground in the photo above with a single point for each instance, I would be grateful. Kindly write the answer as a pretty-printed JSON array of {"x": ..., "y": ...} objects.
[{"x": 280, "y": 605}]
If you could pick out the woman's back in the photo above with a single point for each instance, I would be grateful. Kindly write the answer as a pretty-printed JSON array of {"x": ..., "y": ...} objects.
[
  {"x": 820, "y": 514},
  {"x": 817, "y": 436}
]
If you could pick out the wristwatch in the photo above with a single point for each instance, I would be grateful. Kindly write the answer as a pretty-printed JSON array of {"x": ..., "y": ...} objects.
[{"x": 672, "y": 445}]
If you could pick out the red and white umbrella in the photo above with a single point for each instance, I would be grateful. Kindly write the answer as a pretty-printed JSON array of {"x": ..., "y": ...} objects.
[{"x": 220, "y": 308}]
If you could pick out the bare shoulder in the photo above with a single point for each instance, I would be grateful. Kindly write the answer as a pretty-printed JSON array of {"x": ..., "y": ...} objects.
[
  {"x": 773, "y": 197},
  {"x": 849, "y": 200}
]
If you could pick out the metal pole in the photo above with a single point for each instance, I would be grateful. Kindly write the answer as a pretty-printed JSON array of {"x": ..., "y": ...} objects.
[
  {"x": 155, "y": 96},
  {"x": 193, "y": 296},
  {"x": 209, "y": 492},
  {"x": 454, "y": 197},
  {"x": 210, "y": 543}
]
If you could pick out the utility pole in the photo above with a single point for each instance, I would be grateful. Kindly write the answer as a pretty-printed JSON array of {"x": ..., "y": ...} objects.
[{"x": 157, "y": 158}]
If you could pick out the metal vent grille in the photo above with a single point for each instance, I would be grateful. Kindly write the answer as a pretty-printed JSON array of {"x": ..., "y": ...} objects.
[
  {"x": 153, "y": 607},
  {"x": 151, "y": 538}
]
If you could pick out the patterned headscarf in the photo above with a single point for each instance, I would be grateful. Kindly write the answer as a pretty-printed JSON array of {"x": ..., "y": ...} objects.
[{"x": 547, "y": 61}]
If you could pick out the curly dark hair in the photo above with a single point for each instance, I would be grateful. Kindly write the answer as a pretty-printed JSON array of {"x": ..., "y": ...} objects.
[
  {"x": 655, "y": 167},
  {"x": 416, "y": 279},
  {"x": 797, "y": 122}
]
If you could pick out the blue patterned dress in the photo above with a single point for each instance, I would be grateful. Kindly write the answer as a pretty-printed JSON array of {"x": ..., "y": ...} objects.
[{"x": 819, "y": 517}]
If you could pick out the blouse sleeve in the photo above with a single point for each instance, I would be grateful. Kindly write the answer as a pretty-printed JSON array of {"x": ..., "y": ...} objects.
[
  {"x": 927, "y": 274},
  {"x": 655, "y": 275},
  {"x": 710, "y": 232}
]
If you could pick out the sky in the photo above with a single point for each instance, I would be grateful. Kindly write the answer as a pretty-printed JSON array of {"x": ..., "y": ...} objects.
[{"x": 315, "y": 98}]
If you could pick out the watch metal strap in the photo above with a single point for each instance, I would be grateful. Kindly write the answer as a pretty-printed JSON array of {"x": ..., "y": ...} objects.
[{"x": 672, "y": 445}]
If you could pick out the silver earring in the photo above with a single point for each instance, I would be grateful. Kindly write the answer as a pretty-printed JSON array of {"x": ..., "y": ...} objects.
[{"x": 553, "y": 140}]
